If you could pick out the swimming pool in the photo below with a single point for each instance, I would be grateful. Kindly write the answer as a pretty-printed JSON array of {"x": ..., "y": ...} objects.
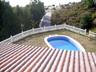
[{"x": 63, "y": 42}]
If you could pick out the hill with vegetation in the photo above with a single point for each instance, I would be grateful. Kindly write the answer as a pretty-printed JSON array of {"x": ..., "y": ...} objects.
[{"x": 82, "y": 14}]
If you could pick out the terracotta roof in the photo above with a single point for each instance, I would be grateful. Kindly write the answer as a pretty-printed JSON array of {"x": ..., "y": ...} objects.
[{"x": 24, "y": 58}]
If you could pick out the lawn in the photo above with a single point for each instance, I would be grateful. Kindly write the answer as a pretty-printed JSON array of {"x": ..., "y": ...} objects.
[
  {"x": 93, "y": 29},
  {"x": 38, "y": 39}
]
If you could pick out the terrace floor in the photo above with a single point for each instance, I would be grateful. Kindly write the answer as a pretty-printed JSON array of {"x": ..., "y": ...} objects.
[{"x": 38, "y": 39}]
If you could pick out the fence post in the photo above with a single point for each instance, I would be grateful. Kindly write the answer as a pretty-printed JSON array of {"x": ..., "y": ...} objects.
[
  {"x": 11, "y": 38},
  {"x": 64, "y": 26},
  {"x": 22, "y": 34},
  {"x": 73, "y": 28},
  {"x": 84, "y": 31},
  {"x": 33, "y": 29},
  {"x": 44, "y": 28},
  {"x": 55, "y": 26},
  {"x": 64, "y": 23}
]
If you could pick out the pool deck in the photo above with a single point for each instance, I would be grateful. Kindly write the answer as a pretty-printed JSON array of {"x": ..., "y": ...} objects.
[{"x": 26, "y": 58}]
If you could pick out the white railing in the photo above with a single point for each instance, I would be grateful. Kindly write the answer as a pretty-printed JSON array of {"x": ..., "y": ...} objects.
[
  {"x": 45, "y": 29},
  {"x": 92, "y": 34}
]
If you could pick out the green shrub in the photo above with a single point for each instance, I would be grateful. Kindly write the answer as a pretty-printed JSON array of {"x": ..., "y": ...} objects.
[
  {"x": 94, "y": 15},
  {"x": 86, "y": 21},
  {"x": 89, "y": 3}
]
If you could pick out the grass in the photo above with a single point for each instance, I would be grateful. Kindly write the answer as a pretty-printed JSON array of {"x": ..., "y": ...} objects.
[
  {"x": 93, "y": 29},
  {"x": 38, "y": 39}
]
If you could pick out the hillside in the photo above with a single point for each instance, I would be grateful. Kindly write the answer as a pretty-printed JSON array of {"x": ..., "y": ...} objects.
[{"x": 72, "y": 14}]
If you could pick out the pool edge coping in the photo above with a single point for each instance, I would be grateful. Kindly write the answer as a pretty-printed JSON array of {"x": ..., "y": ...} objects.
[{"x": 77, "y": 43}]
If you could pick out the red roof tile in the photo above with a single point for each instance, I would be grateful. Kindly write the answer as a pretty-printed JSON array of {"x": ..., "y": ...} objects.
[{"x": 24, "y": 58}]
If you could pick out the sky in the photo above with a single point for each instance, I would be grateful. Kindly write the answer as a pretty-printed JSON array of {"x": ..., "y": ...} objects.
[{"x": 46, "y": 2}]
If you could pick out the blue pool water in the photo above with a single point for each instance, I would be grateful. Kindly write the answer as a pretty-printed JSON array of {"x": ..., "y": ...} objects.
[{"x": 62, "y": 43}]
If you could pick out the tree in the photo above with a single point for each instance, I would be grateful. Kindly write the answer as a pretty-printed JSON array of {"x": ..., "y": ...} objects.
[
  {"x": 95, "y": 3},
  {"x": 86, "y": 21},
  {"x": 8, "y": 23},
  {"x": 37, "y": 11},
  {"x": 12, "y": 19},
  {"x": 88, "y": 3},
  {"x": 1, "y": 12},
  {"x": 27, "y": 20},
  {"x": 19, "y": 14}
]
